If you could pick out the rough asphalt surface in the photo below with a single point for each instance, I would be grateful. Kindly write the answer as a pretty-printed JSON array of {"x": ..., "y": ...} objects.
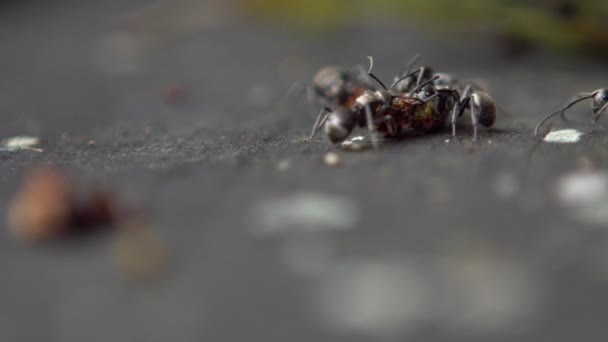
[{"x": 466, "y": 242}]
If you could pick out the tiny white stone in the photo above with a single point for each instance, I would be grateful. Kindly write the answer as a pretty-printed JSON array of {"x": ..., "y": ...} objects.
[
  {"x": 447, "y": 141},
  {"x": 564, "y": 136}
]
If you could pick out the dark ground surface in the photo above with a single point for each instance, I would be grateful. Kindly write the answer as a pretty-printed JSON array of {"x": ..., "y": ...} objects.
[{"x": 481, "y": 263}]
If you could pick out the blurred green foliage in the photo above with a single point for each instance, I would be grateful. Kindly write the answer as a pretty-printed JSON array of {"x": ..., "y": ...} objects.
[{"x": 561, "y": 24}]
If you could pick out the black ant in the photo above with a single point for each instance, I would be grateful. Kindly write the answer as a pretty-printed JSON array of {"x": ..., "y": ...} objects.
[
  {"x": 599, "y": 104},
  {"x": 481, "y": 106},
  {"x": 365, "y": 110}
]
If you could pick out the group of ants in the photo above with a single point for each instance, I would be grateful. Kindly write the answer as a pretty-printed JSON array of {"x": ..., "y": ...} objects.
[{"x": 418, "y": 99}]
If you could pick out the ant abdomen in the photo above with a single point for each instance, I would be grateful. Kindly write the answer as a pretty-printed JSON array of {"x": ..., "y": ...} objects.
[{"x": 487, "y": 108}]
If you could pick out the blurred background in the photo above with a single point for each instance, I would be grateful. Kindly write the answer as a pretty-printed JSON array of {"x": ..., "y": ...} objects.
[{"x": 193, "y": 112}]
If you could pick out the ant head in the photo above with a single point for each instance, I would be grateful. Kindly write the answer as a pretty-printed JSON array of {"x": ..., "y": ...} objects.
[
  {"x": 339, "y": 124},
  {"x": 487, "y": 108},
  {"x": 601, "y": 97}
]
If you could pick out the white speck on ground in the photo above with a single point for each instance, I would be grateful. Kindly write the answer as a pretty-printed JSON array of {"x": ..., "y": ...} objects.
[
  {"x": 304, "y": 212},
  {"x": 486, "y": 292},
  {"x": 307, "y": 255},
  {"x": 586, "y": 195},
  {"x": 582, "y": 188},
  {"x": 20, "y": 143},
  {"x": 564, "y": 136},
  {"x": 284, "y": 165},
  {"x": 373, "y": 298},
  {"x": 506, "y": 185}
]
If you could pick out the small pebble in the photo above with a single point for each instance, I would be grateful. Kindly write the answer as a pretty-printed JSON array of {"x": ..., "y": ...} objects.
[{"x": 332, "y": 159}]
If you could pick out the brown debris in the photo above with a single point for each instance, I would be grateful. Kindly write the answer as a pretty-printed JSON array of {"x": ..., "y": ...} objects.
[
  {"x": 48, "y": 207},
  {"x": 175, "y": 93},
  {"x": 138, "y": 250}
]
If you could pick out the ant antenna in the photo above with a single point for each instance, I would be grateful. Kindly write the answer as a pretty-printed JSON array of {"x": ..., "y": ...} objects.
[
  {"x": 582, "y": 97},
  {"x": 399, "y": 80},
  {"x": 406, "y": 76},
  {"x": 423, "y": 84},
  {"x": 411, "y": 63},
  {"x": 369, "y": 72}
]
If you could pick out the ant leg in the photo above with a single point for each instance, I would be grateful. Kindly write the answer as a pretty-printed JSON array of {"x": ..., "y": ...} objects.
[
  {"x": 473, "y": 108},
  {"x": 321, "y": 118},
  {"x": 460, "y": 106},
  {"x": 599, "y": 111},
  {"x": 370, "y": 125},
  {"x": 454, "y": 113},
  {"x": 420, "y": 74},
  {"x": 457, "y": 112},
  {"x": 390, "y": 124},
  {"x": 468, "y": 90}
]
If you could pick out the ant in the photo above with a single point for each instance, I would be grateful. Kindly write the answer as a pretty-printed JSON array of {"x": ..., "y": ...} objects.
[
  {"x": 599, "y": 104},
  {"x": 425, "y": 107},
  {"x": 364, "y": 111},
  {"x": 481, "y": 105}
]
